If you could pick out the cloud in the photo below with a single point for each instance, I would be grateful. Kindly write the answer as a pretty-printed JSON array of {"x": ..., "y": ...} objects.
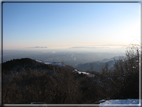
[
  {"x": 38, "y": 47},
  {"x": 89, "y": 47},
  {"x": 111, "y": 45},
  {"x": 83, "y": 47},
  {"x": 99, "y": 46}
]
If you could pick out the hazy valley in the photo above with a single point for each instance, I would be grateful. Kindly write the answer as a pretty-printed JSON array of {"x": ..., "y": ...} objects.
[{"x": 80, "y": 60}]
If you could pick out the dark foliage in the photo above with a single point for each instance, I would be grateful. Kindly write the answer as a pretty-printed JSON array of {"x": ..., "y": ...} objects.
[{"x": 58, "y": 85}]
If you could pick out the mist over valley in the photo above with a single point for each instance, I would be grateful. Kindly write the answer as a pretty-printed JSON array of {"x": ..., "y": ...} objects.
[{"x": 81, "y": 60}]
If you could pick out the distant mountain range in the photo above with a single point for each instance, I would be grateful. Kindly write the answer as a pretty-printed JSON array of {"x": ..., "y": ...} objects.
[
  {"x": 97, "y": 65},
  {"x": 17, "y": 64}
]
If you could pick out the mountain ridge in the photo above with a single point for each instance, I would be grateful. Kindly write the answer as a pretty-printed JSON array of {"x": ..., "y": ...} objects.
[{"x": 27, "y": 63}]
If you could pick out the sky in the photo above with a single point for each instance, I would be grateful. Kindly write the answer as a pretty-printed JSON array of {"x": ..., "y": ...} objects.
[{"x": 67, "y": 25}]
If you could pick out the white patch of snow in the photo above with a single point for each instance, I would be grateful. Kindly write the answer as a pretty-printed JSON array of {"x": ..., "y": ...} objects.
[
  {"x": 102, "y": 101},
  {"x": 85, "y": 73},
  {"x": 126, "y": 103},
  {"x": 59, "y": 64},
  {"x": 79, "y": 72},
  {"x": 38, "y": 61},
  {"x": 47, "y": 63}
]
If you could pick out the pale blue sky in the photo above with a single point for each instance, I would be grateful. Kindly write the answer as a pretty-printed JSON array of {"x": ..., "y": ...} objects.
[{"x": 65, "y": 25}]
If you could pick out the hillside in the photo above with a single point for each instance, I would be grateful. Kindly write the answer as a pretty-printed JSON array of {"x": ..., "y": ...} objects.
[
  {"x": 32, "y": 81},
  {"x": 26, "y": 63},
  {"x": 98, "y": 65},
  {"x": 95, "y": 66},
  {"x": 26, "y": 80}
]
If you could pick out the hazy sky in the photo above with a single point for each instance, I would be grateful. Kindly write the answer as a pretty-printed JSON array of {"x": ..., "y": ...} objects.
[{"x": 65, "y": 25}]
